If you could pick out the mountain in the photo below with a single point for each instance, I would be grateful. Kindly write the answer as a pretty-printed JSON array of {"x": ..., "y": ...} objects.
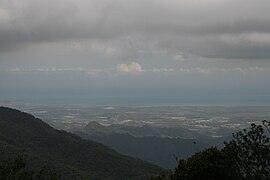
[
  {"x": 72, "y": 156},
  {"x": 96, "y": 128},
  {"x": 147, "y": 143}
]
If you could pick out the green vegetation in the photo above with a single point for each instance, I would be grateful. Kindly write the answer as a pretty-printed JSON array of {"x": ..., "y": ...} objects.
[
  {"x": 68, "y": 154},
  {"x": 246, "y": 156},
  {"x": 16, "y": 169}
]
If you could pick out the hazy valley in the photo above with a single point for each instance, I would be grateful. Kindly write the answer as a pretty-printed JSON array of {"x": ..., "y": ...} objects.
[{"x": 155, "y": 134}]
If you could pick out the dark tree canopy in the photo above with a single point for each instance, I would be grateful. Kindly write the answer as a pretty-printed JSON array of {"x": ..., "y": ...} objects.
[
  {"x": 246, "y": 156},
  {"x": 251, "y": 150},
  {"x": 17, "y": 169}
]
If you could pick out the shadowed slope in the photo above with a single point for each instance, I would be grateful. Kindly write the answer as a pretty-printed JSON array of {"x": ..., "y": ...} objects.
[{"x": 23, "y": 131}]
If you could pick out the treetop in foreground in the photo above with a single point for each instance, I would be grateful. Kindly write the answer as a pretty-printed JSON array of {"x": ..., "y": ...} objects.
[{"x": 246, "y": 156}]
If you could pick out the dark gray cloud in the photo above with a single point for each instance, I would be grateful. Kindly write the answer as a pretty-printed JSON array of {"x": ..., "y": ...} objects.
[
  {"x": 154, "y": 25},
  {"x": 238, "y": 26},
  {"x": 243, "y": 49}
]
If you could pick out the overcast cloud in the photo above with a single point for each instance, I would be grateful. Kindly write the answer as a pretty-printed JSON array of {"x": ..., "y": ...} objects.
[
  {"x": 134, "y": 40},
  {"x": 219, "y": 25}
]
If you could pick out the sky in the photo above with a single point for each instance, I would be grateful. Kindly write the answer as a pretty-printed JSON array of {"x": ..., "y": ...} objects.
[{"x": 162, "y": 51}]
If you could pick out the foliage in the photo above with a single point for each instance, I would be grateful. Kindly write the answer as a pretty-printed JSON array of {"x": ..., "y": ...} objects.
[
  {"x": 246, "y": 156},
  {"x": 252, "y": 151},
  {"x": 16, "y": 169}
]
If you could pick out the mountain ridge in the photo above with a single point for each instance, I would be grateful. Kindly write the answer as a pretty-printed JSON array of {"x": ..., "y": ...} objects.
[
  {"x": 148, "y": 143},
  {"x": 23, "y": 131}
]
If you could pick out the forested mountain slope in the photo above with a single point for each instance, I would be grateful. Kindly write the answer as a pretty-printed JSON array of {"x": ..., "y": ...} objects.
[{"x": 68, "y": 153}]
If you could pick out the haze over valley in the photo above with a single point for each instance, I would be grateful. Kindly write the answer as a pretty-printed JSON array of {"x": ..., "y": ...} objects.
[
  {"x": 209, "y": 120},
  {"x": 138, "y": 130}
]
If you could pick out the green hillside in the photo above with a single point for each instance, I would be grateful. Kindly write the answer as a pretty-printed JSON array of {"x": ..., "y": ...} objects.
[{"x": 72, "y": 156}]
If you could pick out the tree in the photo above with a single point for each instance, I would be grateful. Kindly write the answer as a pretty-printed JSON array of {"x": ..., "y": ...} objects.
[
  {"x": 246, "y": 156},
  {"x": 209, "y": 164},
  {"x": 16, "y": 169},
  {"x": 251, "y": 151}
]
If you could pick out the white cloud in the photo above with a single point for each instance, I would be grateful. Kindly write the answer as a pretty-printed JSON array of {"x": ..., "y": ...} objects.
[
  {"x": 134, "y": 67},
  {"x": 53, "y": 69},
  {"x": 160, "y": 70}
]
